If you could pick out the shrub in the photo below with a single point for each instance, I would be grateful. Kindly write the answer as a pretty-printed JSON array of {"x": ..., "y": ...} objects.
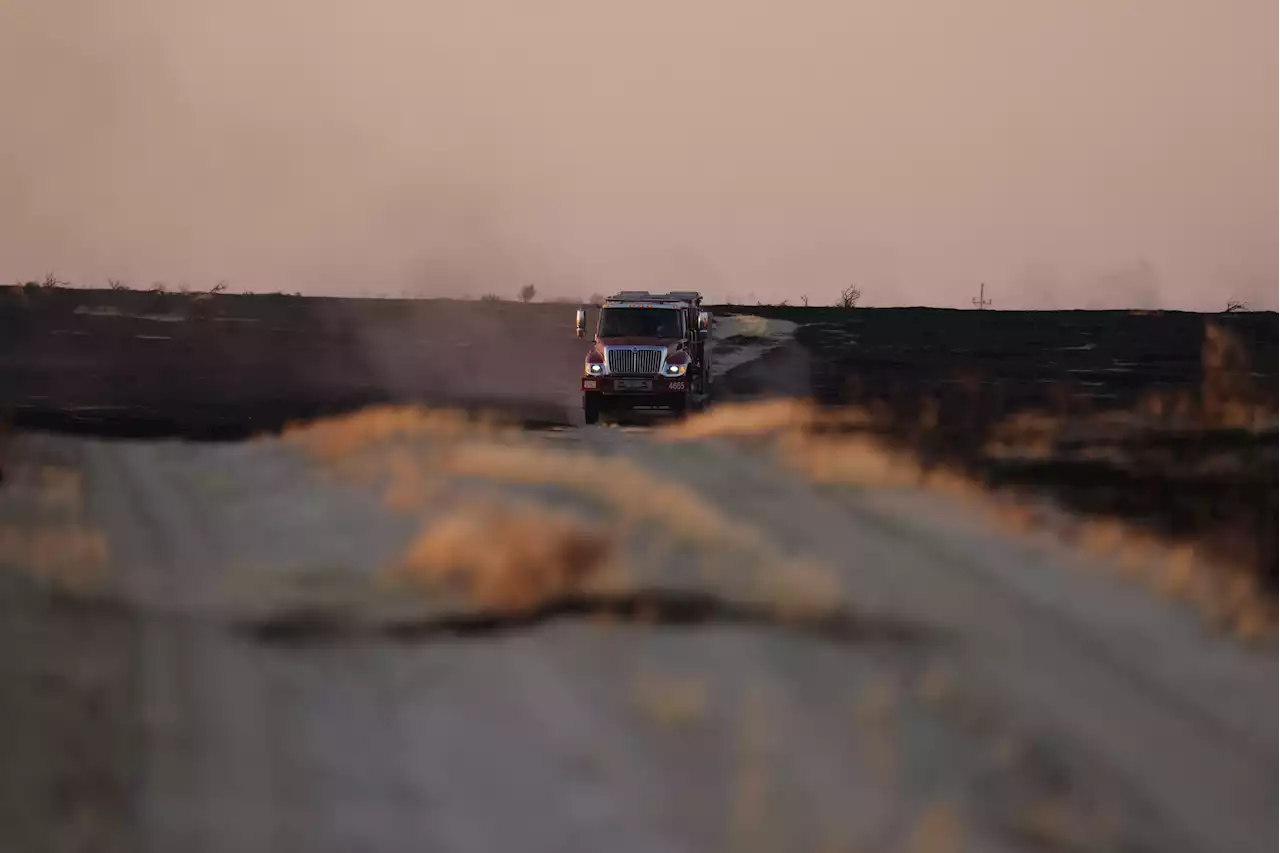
[{"x": 849, "y": 297}]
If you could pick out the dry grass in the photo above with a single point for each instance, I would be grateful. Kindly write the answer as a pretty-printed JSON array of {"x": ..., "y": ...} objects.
[
  {"x": 337, "y": 437},
  {"x": 830, "y": 447},
  {"x": 743, "y": 420},
  {"x": 851, "y": 460},
  {"x": 821, "y": 446},
  {"x": 1224, "y": 593},
  {"x": 410, "y": 486},
  {"x": 1227, "y": 395},
  {"x": 665, "y": 516},
  {"x": 798, "y": 427},
  {"x": 467, "y": 453},
  {"x": 504, "y": 558},
  {"x": 632, "y": 493},
  {"x": 818, "y": 444},
  {"x": 667, "y": 511}
]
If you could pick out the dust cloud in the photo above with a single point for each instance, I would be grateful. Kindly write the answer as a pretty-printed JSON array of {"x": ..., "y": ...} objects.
[{"x": 1054, "y": 151}]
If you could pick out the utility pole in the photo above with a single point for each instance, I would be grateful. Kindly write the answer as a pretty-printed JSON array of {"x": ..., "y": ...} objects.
[{"x": 982, "y": 301}]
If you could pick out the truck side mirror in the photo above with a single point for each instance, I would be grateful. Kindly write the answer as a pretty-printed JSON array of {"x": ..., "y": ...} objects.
[
  {"x": 704, "y": 321},
  {"x": 580, "y": 322}
]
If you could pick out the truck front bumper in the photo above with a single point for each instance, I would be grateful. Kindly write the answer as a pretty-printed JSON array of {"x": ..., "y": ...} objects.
[{"x": 635, "y": 386}]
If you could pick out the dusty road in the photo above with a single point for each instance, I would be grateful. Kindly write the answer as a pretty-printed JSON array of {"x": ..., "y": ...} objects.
[{"x": 753, "y": 662}]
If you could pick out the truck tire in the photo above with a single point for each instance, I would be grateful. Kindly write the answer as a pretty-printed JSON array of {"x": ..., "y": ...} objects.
[{"x": 591, "y": 408}]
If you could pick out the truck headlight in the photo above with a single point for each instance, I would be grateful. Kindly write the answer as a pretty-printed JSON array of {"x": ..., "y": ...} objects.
[
  {"x": 595, "y": 369},
  {"x": 674, "y": 369}
]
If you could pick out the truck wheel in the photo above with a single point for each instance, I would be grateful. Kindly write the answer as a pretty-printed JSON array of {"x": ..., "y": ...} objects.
[{"x": 590, "y": 408}]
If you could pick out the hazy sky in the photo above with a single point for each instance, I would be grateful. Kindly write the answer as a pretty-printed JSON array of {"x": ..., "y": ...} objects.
[{"x": 1069, "y": 153}]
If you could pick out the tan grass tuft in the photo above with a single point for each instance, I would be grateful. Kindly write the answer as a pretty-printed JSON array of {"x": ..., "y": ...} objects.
[
  {"x": 1102, "y": 535},
  {"x": 508, "y": 559},
  {"x": 668, "y": 508},
  {"x": 633, "y": 493},
  {"x": 852, "y": 460},
  {"x": 743, "y": 420},
  {"x": 1226, "y": 381},
  {"x": 334, "y": 438},
  {"x": 409, "y": 486}
]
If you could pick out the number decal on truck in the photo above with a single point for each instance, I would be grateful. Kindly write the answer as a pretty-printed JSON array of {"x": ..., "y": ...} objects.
[{"x": 676, "y": 386}]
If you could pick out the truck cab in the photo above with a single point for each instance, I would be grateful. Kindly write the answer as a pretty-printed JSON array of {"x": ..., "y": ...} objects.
[{"x": 648, "y": 352}]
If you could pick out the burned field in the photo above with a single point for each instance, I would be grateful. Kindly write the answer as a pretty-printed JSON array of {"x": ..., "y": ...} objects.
[
  {"x": 225, "y": 366},
  {"x": 1166, "y": 420}
]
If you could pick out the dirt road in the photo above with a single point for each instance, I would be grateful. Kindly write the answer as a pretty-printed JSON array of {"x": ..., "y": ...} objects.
[{"x": 766, "y": 665}]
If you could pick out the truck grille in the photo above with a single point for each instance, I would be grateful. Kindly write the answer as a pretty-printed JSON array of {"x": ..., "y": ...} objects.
[{"x": 640, "y": 362}]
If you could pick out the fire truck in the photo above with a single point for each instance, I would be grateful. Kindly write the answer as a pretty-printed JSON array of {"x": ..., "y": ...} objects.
[{"x": 649, "y": 352}]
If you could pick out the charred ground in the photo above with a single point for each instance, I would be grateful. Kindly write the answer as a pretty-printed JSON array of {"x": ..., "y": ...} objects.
[{"x": 135, "y": 363}]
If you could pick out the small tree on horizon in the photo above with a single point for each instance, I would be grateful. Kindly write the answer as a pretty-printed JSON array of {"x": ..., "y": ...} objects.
[
  {"x": 849, "y": 297},
  {"x": 528, "y": 292}
]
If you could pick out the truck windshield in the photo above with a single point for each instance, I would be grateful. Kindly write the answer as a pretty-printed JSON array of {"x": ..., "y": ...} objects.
[{"x": 640, "y": 323}]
